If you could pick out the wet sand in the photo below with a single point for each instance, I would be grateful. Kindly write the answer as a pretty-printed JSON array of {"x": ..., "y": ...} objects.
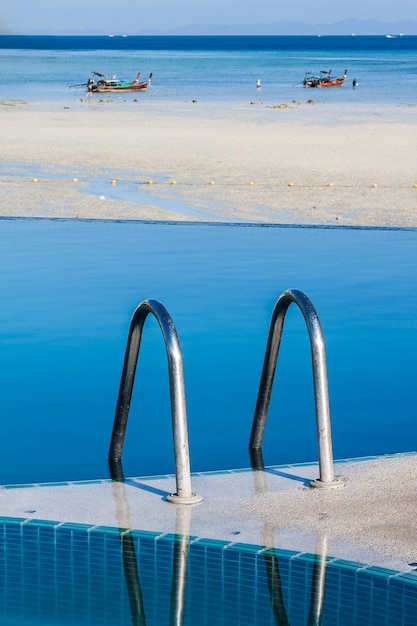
[{"x": 303, "y": 162}]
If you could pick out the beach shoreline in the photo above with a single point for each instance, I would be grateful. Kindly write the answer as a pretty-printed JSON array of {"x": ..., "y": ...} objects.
[{"x": 295, "y": 162}]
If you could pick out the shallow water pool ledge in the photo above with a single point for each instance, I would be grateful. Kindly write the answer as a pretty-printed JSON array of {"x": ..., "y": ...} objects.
[{"x": 369, "y": 521}]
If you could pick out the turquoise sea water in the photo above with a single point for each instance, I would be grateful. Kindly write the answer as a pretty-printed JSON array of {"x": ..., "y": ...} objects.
[{"x": 213, "y": 69}]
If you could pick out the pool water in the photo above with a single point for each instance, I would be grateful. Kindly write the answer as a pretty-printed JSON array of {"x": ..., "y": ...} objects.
[
  {"x": 69, "y": 288},
  {"x": 62, "y": 574}
]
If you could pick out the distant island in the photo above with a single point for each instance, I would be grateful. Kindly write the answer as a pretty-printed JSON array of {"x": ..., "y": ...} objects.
[{"x": 345, "y": 27}]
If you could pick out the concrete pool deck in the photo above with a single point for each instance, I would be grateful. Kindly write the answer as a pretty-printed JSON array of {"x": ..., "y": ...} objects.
[{"x": 371, "y": 520}]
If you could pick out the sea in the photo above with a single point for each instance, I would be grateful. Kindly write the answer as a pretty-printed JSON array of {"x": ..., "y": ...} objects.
[{"x": 218, "y": 69}]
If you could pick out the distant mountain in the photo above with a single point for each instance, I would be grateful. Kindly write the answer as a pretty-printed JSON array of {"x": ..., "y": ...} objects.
[{"x": 345, "y": 27}]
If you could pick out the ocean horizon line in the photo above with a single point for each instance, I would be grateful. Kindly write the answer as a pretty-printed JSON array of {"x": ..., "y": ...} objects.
[
  {"x": 284, "y": 28},
  {"x": 210, "y": 36}
]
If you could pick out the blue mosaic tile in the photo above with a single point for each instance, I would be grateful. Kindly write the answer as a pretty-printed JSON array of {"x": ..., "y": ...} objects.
[
  {"x": 172, "y": 537},
  {"x": 144, "y": 534},
  {"x": 74, "y": 526},
  {"x": 313, "y": 558},
  {"x": 244, "y": 547},
  {"x": 12, "y": 520},
  {"x": 281, "y": 553},
  {"x": 87, "y": 482},
  {"x": 410, "y": 577},
  {"x": 107, "y": 530},
  {"x": 211, "y": 543},
  {"x": 379, "y": 571},
  {"x": 78, "y": 573},
  {"x": 29, "y": 486},
  {"x": 63, "y": 484},
  {"x": 349, "y": 565},
  {"x": 41, "y": 523}
]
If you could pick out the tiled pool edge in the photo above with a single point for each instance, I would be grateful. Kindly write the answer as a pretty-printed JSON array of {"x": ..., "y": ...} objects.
[
  {"x": 389, "y": 575},
  {"x": 243, "y": 470},
  {"x": 244, "y": 507}
]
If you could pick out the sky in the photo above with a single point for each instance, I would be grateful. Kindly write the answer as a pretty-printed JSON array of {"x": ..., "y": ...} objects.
[{"x": 130, "y": 16}]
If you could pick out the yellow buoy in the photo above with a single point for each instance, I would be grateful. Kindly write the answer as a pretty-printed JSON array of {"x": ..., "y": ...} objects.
[
  {"x": 150, "y": 182},
  {"x": 415, "y": 186},
  {"x": 34, "y": 180},
  {"x": 374, "y": 185},
  {"x": 113, "y": 182},
  {"x": 211, "y": 182},
  {"x": 251, "y": 183},
  {"x": 290, "y": 184},
  {"x": 75, "y": 180},
  {"x": 173, "y": 182},
  {"x": 330, "y": 184}
]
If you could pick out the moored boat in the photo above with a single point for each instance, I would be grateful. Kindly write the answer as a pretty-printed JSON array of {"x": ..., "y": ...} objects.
[
  {"x": 324, "y": 80},
  {"x": 102, "y": 83}
]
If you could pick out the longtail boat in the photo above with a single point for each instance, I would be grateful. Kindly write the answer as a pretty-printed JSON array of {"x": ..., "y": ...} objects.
[
  {"x": 101, "y": 83},
  {"x": 324, "y": 80}
]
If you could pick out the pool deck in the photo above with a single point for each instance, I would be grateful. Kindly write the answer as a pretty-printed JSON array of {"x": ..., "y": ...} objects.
[{"x": 369, "y": 520}]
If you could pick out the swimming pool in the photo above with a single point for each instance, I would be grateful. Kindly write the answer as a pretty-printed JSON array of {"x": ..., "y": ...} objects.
[
  {"x": 69, "y": 288},
  {"x": 54, "y": 573}
]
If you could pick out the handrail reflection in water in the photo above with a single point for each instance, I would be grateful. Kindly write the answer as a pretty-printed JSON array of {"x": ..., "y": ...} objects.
[
  {"x": 318, "y": 578},
  {"x": 130, "y": 565}
]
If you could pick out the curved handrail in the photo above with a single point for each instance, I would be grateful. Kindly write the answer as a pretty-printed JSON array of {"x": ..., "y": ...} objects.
[
  {"x": 183, "y": 494},
  {"x": 321, "y": 395}
]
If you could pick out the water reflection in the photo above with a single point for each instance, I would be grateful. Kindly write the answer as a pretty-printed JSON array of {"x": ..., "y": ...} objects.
[
  {"x": 180, "y": 564},
  {"x": 275, "y": 587},
  {"x": 130, "y": 565}
]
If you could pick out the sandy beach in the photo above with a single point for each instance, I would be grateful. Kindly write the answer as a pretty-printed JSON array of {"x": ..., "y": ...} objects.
[{"x": 296, "y": 162}]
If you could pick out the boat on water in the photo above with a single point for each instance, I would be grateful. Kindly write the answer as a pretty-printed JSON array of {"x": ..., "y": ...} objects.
[
  {"x": 101, "y": 83},
  {"x": 324, "y": 80}
]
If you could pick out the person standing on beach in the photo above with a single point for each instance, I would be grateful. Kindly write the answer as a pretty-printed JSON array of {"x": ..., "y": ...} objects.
[{"x": 258, "y": 85}]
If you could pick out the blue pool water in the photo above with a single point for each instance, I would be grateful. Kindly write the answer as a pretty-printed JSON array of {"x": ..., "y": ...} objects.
[
  {"x": 78, "y": 574},
  {"x": 69, "y": 288}
]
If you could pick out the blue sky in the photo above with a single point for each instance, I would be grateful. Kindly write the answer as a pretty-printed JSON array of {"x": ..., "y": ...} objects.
[{"x": 128, "y": 16}]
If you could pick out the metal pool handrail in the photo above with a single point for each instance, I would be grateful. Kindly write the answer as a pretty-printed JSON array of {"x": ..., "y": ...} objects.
[
  {"x": 321, "y": 396},
  {"x": 183, "y": 494}
]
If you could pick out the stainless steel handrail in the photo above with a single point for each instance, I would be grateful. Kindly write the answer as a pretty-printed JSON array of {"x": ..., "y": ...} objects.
[
  {"x": 183, "y": 493},
  {"x": 321, "y": 396}
]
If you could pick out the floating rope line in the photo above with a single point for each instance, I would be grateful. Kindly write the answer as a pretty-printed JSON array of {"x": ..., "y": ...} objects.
[
  {"x": 251, "y": 183},
  {"x": 277, "y": 185}
]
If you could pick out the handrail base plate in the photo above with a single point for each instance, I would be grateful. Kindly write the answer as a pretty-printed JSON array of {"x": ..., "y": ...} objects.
[
  {"x": 319, "y": 484},
  {"x": 174, "y": 498}
]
